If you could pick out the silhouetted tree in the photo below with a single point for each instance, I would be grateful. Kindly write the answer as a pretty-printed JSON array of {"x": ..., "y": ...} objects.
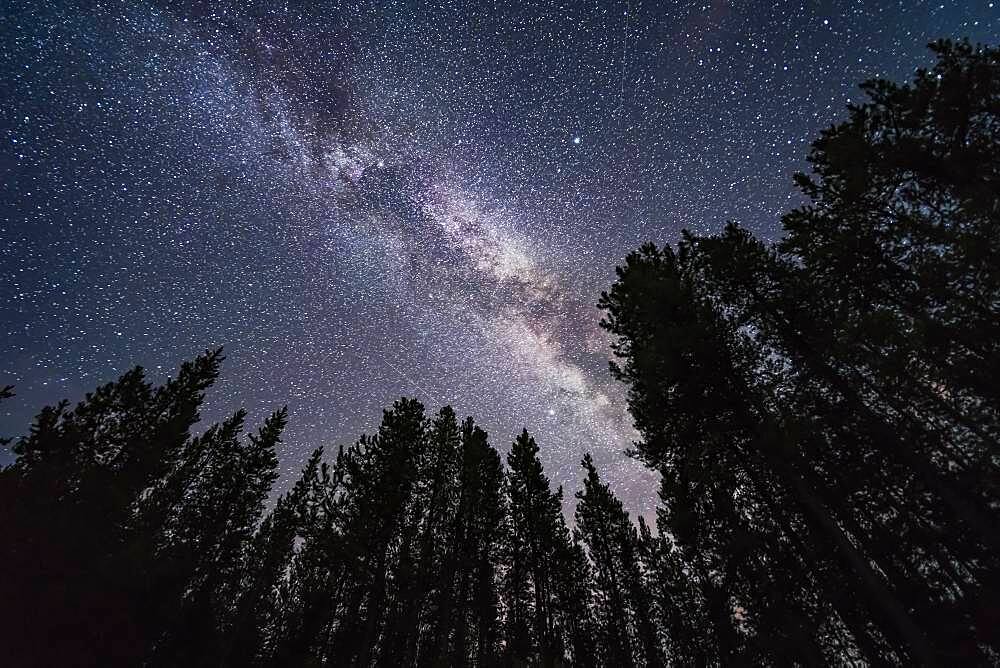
[
  {"x": 626, "y": 627},
  {"x": 308, "y": 596},
  {"x": 814, "y": 407},
  {"x": 255, "y": 614},
  {"x": 701, "y": 397},
  {"x": 208, "y": 538},
  {"x": 542, "y": 600},
  {"x": 92, "y": 504},
  {"x": 466, "y": 608}
]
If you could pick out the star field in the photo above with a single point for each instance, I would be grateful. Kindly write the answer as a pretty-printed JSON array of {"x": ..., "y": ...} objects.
[{"x": 363, "y": 200}]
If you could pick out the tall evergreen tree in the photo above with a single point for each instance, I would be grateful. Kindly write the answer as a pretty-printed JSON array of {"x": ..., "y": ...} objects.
[
  {"x": 835, "y": 381},
  {"x": 424, "y": 599},
  {"x": 466, "y": 605},
  {"x": 627, "y": 633},
  {"x": 379, "y": 475},
  {"x": 255, "y": 612},
  {"x": 542, "y": 555},
  {"x": 701, "y": 399},
  {"x": 306, "y": 599},
  {"x": 69, "y": 516},
  {"x": 207, "y": 540},
  {"x": 101, "y": 497}
]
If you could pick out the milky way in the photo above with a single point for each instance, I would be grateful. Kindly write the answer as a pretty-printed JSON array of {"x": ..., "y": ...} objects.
[{"x": 367, "y": 200}]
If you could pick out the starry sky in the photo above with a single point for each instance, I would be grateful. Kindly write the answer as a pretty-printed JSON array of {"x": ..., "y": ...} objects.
[{"x": 364, "y": 200}]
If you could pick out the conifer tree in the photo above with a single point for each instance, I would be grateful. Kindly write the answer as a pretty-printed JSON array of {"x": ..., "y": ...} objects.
[
  {"x": 626, "y": 626},
  {"x": 814, "y": 407},
  {"x": 701, "y": 399},
  {"x": 69, "y": 514},
  {"x": 574, "y": 582},
  {"x": 269, "y": 555},
  {"x": 540, "y": 602},
  {"x": 879, "y": 298},
  {"x": 207, "y": 541},
  {"x": 307, "y": 598},
  {"x": 466, "y": 608},
  {"x": 423, "y": 595},
  {"x": 379, "y": 475},
  {"x": 107, "y": 512}
]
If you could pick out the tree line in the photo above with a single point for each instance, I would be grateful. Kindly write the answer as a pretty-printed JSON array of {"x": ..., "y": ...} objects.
[
  {"x": 823, "y": 412},
  {"x": 131, "y": 542}
]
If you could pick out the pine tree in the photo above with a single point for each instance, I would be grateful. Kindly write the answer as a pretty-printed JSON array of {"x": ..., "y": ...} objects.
[
  {"x": 69, "y": 520},
  {"x": 129, "y": 517},
  {"x": 627, "y": 632},
  {"x": 905, "y": 190},
  {"x": 854, "y": 446},
  {"x": 702, "y": 398},
  {"x": 378, "y": 477},
  {"x": 904, "y": 212},
  {"x": 207, "y": 539},
  {"x": 307, "y": 597},
  {"x": 879, "y": 298},
  {"x": 269, "y": 555},
  {"x": 466, "y": 606},
  {"x": 432, "y": 510},
  {"x": 541, "y": 598},
  {"x": 574, "y": 583}
]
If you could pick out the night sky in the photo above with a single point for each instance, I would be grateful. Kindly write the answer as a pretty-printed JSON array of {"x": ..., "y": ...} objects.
[{"x": 364, "y": 200}]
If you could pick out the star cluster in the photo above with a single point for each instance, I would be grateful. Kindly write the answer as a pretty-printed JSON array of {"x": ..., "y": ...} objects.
[{"x": 363, "y": 200}]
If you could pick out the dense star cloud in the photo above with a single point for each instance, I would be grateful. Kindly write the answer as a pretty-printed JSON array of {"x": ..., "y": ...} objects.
[{"x": 363, "y": 200}]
